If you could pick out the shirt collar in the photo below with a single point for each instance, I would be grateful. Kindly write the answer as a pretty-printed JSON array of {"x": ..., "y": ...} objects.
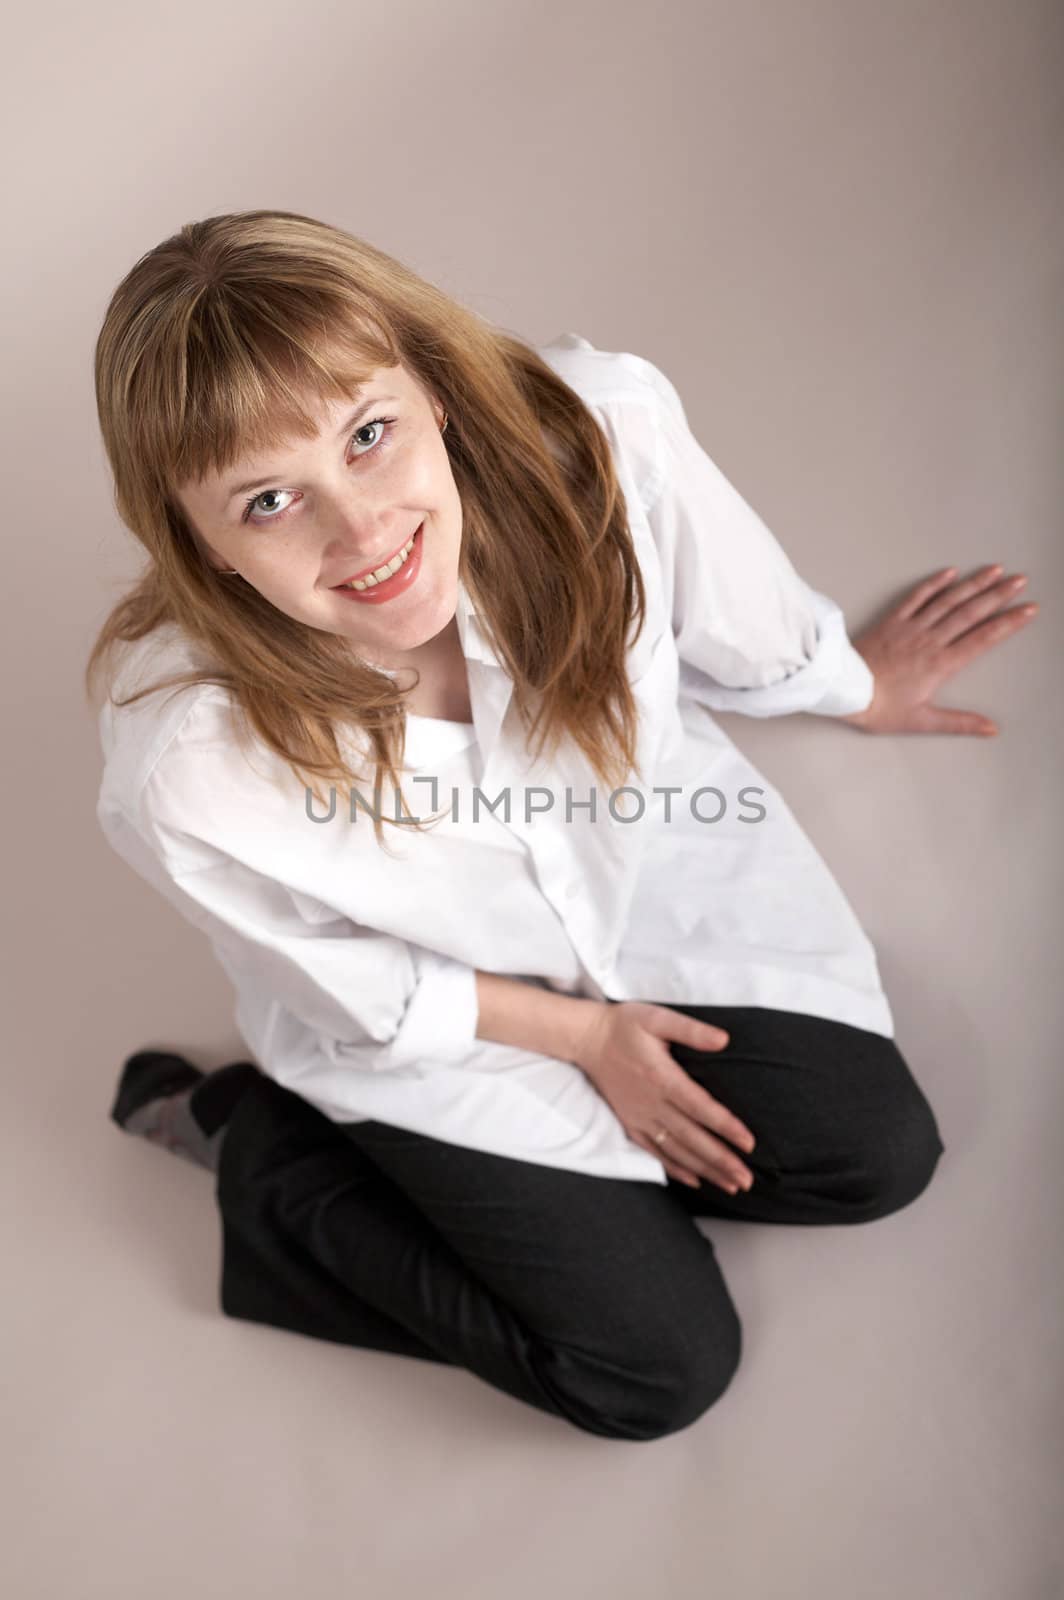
[{"x": 474, "y": 640}]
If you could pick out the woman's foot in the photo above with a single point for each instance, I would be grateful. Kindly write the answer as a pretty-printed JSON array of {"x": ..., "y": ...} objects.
[{"x": 166, "y": 1100}]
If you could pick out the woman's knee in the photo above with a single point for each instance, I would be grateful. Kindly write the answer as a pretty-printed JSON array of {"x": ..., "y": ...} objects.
[
  {"x": 671, "y": 1380},
  {"x": 899, "y": 1148},
  {"x": 699, "y": 1377}
]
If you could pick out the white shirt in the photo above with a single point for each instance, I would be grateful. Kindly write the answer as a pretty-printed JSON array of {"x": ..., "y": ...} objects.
[{"x": 354, "y": 968}]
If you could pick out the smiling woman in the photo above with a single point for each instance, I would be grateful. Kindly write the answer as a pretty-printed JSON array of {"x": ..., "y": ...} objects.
[
  {"x": 225, "y": 403},
  {"x": 460, "y": 1038},
  {"x": 343, "y": 508}
]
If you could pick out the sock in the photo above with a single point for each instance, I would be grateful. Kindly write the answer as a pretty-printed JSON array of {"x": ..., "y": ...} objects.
[{"x": 166, "y": 1100}]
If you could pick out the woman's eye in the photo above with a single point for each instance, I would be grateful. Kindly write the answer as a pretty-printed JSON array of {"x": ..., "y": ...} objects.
[
  {"x": 272, "y": 514},
  {"x": 378, "y": 422}
]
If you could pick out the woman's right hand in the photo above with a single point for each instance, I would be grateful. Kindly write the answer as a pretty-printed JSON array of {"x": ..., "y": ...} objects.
[{"x": 625, "y": 1053}]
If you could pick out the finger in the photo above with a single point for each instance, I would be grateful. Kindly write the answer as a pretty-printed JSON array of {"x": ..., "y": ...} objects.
[
  {"x": 705, "y": 1111},
  {"x": 957, "y": 594},
  {"x": 681, "y": 1174},
  {"x": 706, "y": 1155},
  {"x": 924, "y": 591},
  {"x": 676, "y": 1025},
  {"x": 673, "y": 1168},
  {"x": 942, "y": 719},
  {"x": 710, "y": 1156},
  {"x": 713, "y": 1163},
  {"x": 963, "y": 618},
  {"x": 973, "y": 641},
  {"x": 708, "y": 1151}
]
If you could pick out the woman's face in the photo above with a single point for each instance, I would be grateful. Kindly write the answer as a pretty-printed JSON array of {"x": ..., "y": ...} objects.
[{"x": 314, "y": 515}]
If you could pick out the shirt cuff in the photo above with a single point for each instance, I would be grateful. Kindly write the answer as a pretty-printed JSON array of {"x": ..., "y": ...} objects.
[
  {"x": 850, "y": 682},
  {"x": 835, "y": 681},
  {"x": 440, "y": 1021}
]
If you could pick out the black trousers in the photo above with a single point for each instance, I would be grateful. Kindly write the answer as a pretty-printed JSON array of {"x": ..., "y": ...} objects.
[{"x": 594, "y": 1299}]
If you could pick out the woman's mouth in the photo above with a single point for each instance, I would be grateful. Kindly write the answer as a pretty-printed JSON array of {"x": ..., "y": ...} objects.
[{"x": 374, "y": 590}]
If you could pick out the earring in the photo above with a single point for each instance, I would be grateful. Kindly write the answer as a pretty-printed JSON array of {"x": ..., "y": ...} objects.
[{"x": 443, "y": 428}]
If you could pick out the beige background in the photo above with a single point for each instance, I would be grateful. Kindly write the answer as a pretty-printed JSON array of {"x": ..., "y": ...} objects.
[{"x": 837, "y": 227}]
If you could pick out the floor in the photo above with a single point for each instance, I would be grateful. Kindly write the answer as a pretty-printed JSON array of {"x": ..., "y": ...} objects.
[{"x": 837, "y": 229}]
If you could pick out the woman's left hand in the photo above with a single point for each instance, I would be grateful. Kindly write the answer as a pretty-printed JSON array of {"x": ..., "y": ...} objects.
[{"x": 935, "y": 631}]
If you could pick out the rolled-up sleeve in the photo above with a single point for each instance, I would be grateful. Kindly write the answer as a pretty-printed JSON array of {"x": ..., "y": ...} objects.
[
  {"x": 372, "y": 1001},
  {"x": 752, "y": 636}
]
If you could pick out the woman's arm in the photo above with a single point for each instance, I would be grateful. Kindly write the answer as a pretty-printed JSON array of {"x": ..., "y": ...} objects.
[
  {"x": 521, "y": 1014},
  {"x": 752, "y": 636}
]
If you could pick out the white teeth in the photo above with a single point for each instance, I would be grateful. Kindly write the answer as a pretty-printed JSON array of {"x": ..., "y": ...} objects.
[{"x": 379, "y": 574}]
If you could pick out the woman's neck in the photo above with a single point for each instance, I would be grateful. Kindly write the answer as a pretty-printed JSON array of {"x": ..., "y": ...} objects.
[{"x": 442, "y": 690}]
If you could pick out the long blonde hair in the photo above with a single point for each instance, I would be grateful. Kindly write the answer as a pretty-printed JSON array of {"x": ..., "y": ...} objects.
[{"x": 207, "y": 345}]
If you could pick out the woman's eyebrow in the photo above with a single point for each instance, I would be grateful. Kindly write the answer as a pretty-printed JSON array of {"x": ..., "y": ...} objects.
[{"x": 345, "y": 427}]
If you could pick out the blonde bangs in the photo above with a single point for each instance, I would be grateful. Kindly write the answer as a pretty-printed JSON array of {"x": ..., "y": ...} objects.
[{"x": 245, "y": 372}]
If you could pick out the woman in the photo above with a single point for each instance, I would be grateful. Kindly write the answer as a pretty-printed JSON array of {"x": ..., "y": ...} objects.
[{"x": 524, "y": 949}]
